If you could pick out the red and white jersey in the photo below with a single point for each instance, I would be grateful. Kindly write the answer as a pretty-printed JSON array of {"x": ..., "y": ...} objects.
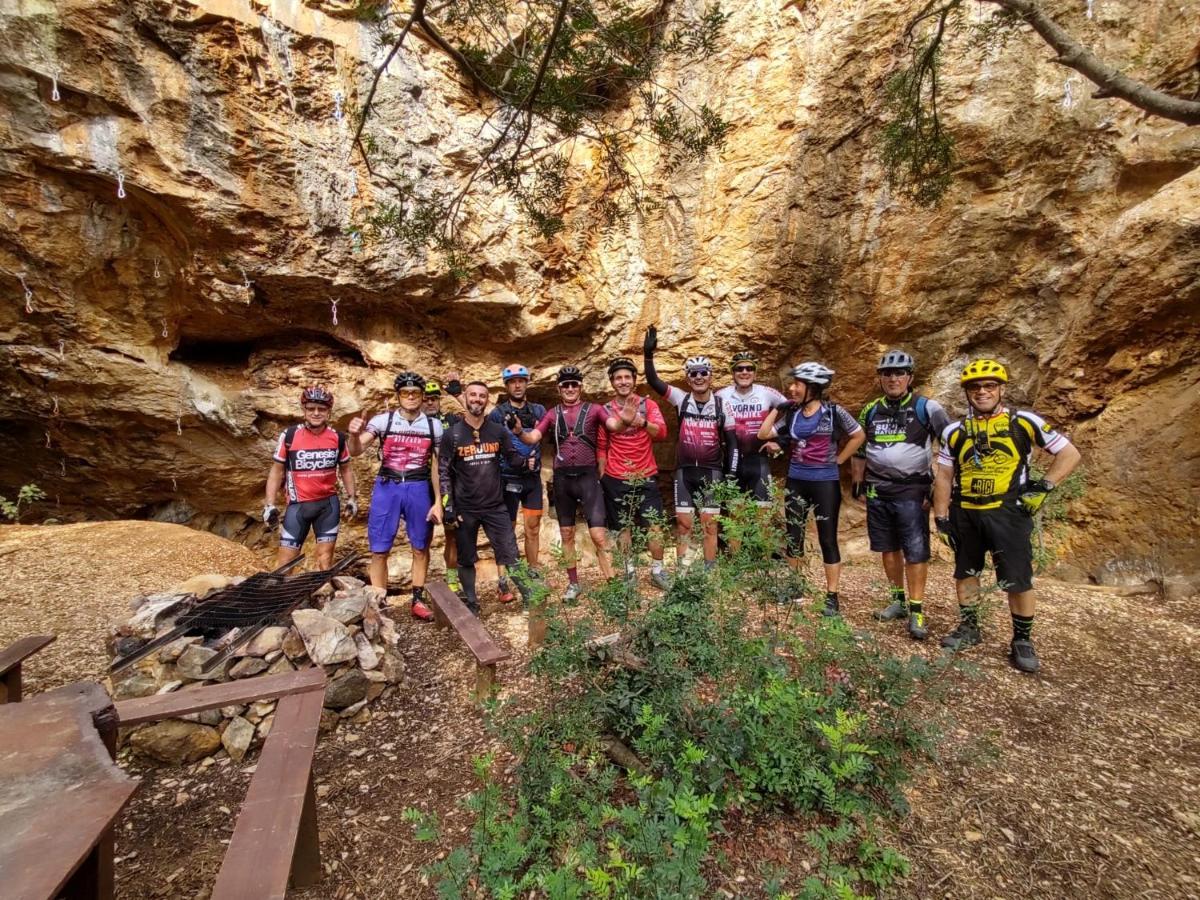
[
  {"x": 407, "y": 446},
  {"x": 311, "y": 462},
  {"x": 749, "y": 410}
]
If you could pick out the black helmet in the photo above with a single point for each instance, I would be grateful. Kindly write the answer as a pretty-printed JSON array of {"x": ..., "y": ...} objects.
[
  {"x": 743, "y": 356},
  {"x": 409, "y": 380},
  {"x": 317, "y": 393},
  {"x": 621, "y": 362},
  {"x": 570, "y": 373},
  {"x": 896, "y": 359}
]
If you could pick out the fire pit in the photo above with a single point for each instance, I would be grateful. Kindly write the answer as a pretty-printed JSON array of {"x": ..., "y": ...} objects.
[{"x": 218, "y": 629}]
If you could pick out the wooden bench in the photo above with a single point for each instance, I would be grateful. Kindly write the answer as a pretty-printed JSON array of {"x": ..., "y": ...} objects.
[
  {"x": 11, "y": 658},
  {"x": 448, "y": 610},
  {"x": 276, "y": 832}
]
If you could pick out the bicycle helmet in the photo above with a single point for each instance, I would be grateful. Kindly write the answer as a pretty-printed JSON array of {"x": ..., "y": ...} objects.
[
  {"x": 409, "y": 380},
  {"x": 744, "y": 356},
  {"x": 317, "y": 393},
  {"x": 983, "y": 368},
  {"x": 896, "y": 359},
  {"x": 433, "y": 389},
  {"x": 813, "y": 373},
  {"x": 570, "y": 373},
  {"x": 514, "y": 371},
  {"x": 696, "y": 363},
  {"x": 621, "y": 362}
]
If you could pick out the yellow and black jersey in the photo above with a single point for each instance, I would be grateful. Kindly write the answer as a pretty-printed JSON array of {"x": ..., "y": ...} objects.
[{"x": 991, "y": 456}]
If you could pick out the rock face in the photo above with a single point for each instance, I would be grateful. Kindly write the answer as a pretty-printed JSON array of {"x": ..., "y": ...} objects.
[{"x": 169, "y": 331}]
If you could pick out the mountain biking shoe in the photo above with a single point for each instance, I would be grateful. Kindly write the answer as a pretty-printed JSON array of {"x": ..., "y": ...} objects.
[
  {"x": 472, "y": 608},
  {"x": 506, "y": 591},
  {"x": 573, "y": 592},
  {"x": 660, "y": 579},
  {"x": 916, "y": 626},
  {"x": 1022, "y": 655},
  {"x": 831, "y": 610},
  {"x": 894, "y": 610},
  {"x": 962, "y": 637},
  {"x": 421, "y": 611}
]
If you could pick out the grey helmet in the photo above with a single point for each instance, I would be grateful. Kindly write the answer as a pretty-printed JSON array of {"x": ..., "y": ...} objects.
[
  {"x": 813, "y": 373},
  {"x": 896, "y": 359}
]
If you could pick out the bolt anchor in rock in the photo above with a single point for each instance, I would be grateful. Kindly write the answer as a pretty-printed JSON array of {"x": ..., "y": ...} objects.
[
  {"x": 120, "y": 185},
  {"x": 333, "y": 307},
  {"x": 54, "y": 95}
]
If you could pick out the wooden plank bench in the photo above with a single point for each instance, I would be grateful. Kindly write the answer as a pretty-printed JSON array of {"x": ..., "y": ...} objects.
[
  {"x": 448, "y": 610},
  {"x": 276, "y": 831},
  {"x": 11, "y": 658}
]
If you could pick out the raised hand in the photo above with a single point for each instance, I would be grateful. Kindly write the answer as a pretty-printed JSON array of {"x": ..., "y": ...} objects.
[
  {"x": 357, "y": 424},
  {"x": 650, "y": 344}
]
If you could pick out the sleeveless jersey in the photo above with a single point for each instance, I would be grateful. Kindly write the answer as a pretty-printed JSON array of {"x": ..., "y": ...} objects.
[
  {"x": 703, "y": 429},
  {"x": 749, "y": 411},
  {"x": 407, "y": 447},
  {"x": 991, "y": 456},
  {"x": 311, "y": 461}
]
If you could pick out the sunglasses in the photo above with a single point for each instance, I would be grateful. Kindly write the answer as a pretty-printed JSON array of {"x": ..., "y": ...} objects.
[
  {"x": 699, "y": 373},
  {"x": 568, "y": 385},
  {"x": 976, "y": 387},
  {"x": 894, "y": 373},
  {"x": 743, "y": 368},
  {"x": 411, "y": 393}
]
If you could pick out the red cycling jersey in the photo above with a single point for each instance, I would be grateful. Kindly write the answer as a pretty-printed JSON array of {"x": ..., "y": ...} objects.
[
  {"x": 628, "y": 453},
  {"x": 312, "y": 462}
]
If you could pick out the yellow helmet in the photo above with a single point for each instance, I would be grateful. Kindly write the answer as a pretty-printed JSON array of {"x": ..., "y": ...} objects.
[{"x": 983, "y": 368}]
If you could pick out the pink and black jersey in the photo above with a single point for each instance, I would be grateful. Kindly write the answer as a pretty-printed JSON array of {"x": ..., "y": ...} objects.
[
  {"x": 574, "y": 442},
  {"x": 311, "y": 462},
  {"x": 406, "y": 447},
  {"x": 749, "y": 411},
  {"x": 700, "y": 425}
]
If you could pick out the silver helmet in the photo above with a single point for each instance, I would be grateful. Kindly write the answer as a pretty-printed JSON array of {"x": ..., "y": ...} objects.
[
  {"x": 896, "y": 359},
  {"x": 813, "y": 373}
]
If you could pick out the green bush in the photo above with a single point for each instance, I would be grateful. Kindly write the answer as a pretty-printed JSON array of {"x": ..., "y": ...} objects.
[
  {"x": 28, "y": 493},
  {"x": 717, "y": 698}
]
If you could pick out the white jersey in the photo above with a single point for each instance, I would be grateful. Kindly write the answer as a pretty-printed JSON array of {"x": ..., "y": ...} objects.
[{"x": 749, "y": 410}]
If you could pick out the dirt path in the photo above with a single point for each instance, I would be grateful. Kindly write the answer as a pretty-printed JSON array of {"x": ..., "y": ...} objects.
[{"x": 1081, "y": 782}]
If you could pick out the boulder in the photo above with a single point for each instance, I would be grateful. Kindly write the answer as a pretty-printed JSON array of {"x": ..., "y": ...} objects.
[
  {"x": 347, "y": 609},
  {"x": 236, "y": 709},
  {"x": 195, "y": 656},
  {"x": 326, "y": 640},
  {"x": 1181, "y": 587},
  {"x": 353, "y": 709},
  {"x": 237, "y": 738},
  {"x": 368, "y": 658},
  {"x": 139, "y": 684},
  {"x": 169, "y": 686},
  {"x": 283, "y": 664},
  {"x": 266, "y": 641},
  {"x": 387, "y": 631},
  {"x": 329, "y": 720},
  {"x": 203, "y": 585},
  {"x": 248, "y": 666},
  {"x": 261, "y": 708},
  {"x": 144, "y": 623},
  {"x": 346, "y": 583},
  {"x": 392, "y": 666},
  {"x": 175, "y": 741},
  {"x": 346, "y": 689},
  {"x": 293, "y": 645},
  {"x": 174, "y": 650},
  {"x": 264, "y": 727}
]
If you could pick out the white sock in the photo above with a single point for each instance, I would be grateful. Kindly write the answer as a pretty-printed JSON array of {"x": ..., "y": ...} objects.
[{"x": 657, "y": 567}]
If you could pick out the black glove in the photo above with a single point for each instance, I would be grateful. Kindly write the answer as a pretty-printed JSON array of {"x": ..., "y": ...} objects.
[
  {"x": 513, "y": 423},
  {"x": 454, "y": 388},
  {"x": 1033, "y": 495},
  {"x": 650, "y": 344},
  {"x": 946, "y": 532}
]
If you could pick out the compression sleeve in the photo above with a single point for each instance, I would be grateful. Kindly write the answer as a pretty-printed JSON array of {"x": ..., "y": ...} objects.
[
  {"x": 652, "y": 378},
  {"x": 445, "y": 458}
]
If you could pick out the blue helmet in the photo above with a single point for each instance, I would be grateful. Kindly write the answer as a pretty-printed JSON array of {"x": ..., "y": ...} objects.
[{"x": 514, "y": 371}]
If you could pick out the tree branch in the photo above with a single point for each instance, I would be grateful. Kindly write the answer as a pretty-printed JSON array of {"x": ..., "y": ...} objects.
[{"x": 1110, "y": 81}]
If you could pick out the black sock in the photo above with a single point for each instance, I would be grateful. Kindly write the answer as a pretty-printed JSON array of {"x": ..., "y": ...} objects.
[
  {"x": 898, "y": 595},
  {"x": 418, "y": 594},
  {"x": 969, "y": 615},
  {"x": 466, "y": 577},
  {"x": 914, "y": 606},
  {"x": 831, "y": 597},
  {"x": 1022, "y": 627}
]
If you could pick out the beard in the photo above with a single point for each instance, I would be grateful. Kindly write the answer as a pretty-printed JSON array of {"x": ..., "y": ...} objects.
[{"x": 476, "y": 407}]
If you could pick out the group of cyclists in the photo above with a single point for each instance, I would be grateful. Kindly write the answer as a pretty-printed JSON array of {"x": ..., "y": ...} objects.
[{"x": 480, "y": 468}]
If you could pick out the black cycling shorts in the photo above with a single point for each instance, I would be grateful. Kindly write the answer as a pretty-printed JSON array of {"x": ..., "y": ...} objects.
[
  {"x": 900, "y": 523},
  {"x": 824, "y": 500},
  {"x": 693, "y": 490},
  {"x": 754, "y": 477},
  {"x": 322, "y": 516},
  {"x": 526, "y": 491},
  {"x": 496, "y": 525},
  {"x": 574, "y": 489},
  {"x": 1005, "y": 532},
  {"x": 626, "y": 503}
]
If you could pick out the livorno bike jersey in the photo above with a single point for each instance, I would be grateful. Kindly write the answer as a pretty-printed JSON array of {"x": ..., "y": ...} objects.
[
  {"x": 990, "y": 455},
  {"x": 749, "y": 410}
]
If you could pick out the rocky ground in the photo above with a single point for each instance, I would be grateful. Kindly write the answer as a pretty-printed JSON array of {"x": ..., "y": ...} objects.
[{"x": 1081, "y": 782}]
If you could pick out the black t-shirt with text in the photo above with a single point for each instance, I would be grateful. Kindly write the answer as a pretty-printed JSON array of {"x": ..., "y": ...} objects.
[{"x": 469, "y": 464}]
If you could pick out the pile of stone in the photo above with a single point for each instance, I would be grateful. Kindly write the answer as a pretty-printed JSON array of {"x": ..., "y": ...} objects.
[{"x": 344, "y": 630}]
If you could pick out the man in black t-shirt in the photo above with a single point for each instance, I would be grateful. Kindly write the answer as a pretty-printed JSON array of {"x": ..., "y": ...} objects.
[{"x": 469, "y": 473}]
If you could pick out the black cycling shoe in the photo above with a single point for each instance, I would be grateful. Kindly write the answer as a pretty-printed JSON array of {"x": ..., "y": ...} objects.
[
  {"x": 1022, "y": 655},
  {"x": 831, "y": 610},
  {"x": 964, "y": 636},
  {"x": 894, "y": 610}
]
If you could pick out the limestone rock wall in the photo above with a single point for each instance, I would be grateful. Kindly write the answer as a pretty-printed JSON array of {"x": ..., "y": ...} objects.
[{"x": 168, "y": 332}]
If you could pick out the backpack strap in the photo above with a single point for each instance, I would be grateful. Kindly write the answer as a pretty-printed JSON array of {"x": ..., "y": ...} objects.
[
  {"x": 562, "y": 432},
  {"x": 921, "y": 405},
  {"x": 341, "y": 446},
  {"x": 288, "y": 437},
  {"x": 387, "y": 430}
]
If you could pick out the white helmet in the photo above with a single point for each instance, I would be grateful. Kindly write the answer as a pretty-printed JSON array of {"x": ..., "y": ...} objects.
[
  {"x": 813, "y": 373},
  {"x": 697, "y": 362}
]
